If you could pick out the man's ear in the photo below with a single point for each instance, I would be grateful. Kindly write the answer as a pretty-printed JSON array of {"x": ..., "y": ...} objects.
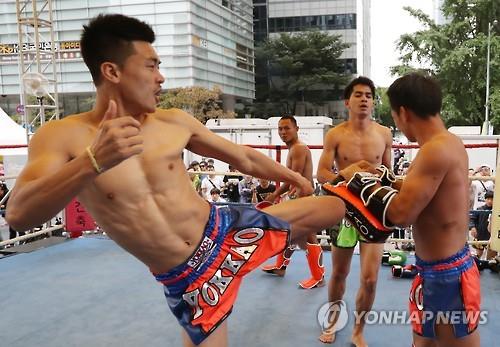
[
  {"x": 110, "y": 71},
  {"x": 403, "y": 113}
]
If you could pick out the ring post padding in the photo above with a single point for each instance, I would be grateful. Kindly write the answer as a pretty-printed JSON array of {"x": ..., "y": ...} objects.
[{"x": 77, "y": 219}]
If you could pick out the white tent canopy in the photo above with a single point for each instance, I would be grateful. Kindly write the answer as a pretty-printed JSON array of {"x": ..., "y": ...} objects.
[{"x": 11, "y": 133}]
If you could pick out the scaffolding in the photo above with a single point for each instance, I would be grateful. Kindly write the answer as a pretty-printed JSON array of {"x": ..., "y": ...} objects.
[{"x": 37, "y": 57}]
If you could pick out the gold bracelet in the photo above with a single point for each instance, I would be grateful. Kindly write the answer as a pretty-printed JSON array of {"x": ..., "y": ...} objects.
[{"x": 96, "y": 166}]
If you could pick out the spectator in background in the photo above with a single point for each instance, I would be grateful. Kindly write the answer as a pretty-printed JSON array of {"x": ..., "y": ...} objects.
[
  {"x": 215, "y": 196},
  {"x": 194, "y": 165},
  {"x": 480, "y": 222},
  {"x": 203, "y": 167},
  {"x": 245, "y": 188},
  {"x": 231, "y": 189},
  {"x": 263, "y": 190},
  {"x": 481, "y": 187},
  {"x": 195, "y": 180},
  {"x": 211, "y": 181},
  {"x": 398, "y": 154},
  {"x": 403, "y": 169},
  {"x": 472, "y": 190}
]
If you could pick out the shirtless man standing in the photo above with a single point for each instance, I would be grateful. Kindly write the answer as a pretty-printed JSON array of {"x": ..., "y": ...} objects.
[
  {"x": 298, "y": 160},
  {"x": 358, "y": 138},
  {"x": 123, "y": 161},
  {"x": 434, "y": 199}
]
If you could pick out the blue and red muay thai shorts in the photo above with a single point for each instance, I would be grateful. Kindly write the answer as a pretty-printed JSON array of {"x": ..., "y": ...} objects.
[
  {"x": 202, "y": 290},
  {"x": 446, "y": 292}
]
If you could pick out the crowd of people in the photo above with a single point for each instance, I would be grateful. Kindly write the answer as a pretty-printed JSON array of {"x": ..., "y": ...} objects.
[{"x": 233, "y": 186}]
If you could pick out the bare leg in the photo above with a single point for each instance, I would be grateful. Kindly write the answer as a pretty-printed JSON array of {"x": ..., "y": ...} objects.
[
  {"x": 341, "y": 264},
  {"x": 371, "y": 255},
  {"x": 419, "y": 341},
  {"x": 446, "y": 338},
  {"x": 216, "y": 339},
  {"x": 309, "y": 215}
]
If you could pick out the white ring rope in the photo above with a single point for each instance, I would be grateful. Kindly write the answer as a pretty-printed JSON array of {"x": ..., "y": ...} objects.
[
  {"x": 3, "y": 178},
  {"x": 470, "y": 242},
  {"x": 31, "y": 235},
  {"x": 232, "y": 173}
]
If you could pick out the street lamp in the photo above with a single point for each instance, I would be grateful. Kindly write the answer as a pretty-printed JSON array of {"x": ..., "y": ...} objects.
[{"x": 486, "y": 124}]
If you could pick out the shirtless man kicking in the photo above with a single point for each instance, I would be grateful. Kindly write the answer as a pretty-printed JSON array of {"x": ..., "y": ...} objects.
[
  {"x": 123, "y": 161},
  {"x": 358, "y": 138},
  {"x": 298, "y": 160}
]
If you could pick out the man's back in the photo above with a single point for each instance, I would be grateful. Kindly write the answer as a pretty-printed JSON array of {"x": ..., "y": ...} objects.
[{"x": 443, "y": 223}]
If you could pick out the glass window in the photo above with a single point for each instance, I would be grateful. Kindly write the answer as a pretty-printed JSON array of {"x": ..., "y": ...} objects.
[
  {"x": 135, "y": 10},
  {"x": 280, "y": 25},
  {"x": 70, "y": 4},
  {"x": 323, "y": 22}
]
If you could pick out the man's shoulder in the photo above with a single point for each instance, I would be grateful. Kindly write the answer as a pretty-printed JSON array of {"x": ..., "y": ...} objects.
[
  {"x": 337, "y": 131},
  {"x": 382, "y": 129},
  {"x": 340, "y": 127},
  {"x": 70, "y": 125},
  {"x": 299, "y": 147},
  {"x": 171, "y": 115}
]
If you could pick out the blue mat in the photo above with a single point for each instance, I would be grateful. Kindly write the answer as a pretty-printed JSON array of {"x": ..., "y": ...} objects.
[{"x": 89, "y": 292}]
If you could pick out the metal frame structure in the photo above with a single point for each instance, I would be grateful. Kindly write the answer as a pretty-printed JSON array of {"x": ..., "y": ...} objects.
[{"x": 37, "y": 53}]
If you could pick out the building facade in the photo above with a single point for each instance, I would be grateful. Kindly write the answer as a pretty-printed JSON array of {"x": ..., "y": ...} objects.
[
  {"x": 348, "y": 18},
  {"x": 200, "y": 43}
]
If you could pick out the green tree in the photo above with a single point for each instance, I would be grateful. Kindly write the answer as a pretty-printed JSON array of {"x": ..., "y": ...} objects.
[
  {"x": 383, "y": 108},
  {"x": 201, "y": 102},
  {"x": 455, "y": 53},
  {"x": 298, "y": 67}
]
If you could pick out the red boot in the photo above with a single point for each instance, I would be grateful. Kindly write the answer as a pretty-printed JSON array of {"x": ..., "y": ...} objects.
[{"x": 315, "y": 261}]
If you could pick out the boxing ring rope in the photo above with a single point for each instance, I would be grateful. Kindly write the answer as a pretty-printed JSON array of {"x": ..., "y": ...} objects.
[
  {"x": 232, "y": 173},
  {"x": 12, "y": 146},
  {"x": 469, "y": 242},
  {"x": 279, "y": 148},
  {"x": 31, "y": 235}
]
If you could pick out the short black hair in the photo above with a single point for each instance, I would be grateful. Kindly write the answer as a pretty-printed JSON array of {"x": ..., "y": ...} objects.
[
  {"x": 488, "y": 194},
  {"x": 416, "y": 92},
  {"x": 291, "y": 118},
  {"x": 359, "y": 80},
  {"x": 108, "y": 37}
]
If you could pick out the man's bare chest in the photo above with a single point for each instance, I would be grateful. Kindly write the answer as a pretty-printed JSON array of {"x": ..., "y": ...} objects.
[
  {"x": 370, "y": 148},
  {"x": 153, "y": 170}
]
